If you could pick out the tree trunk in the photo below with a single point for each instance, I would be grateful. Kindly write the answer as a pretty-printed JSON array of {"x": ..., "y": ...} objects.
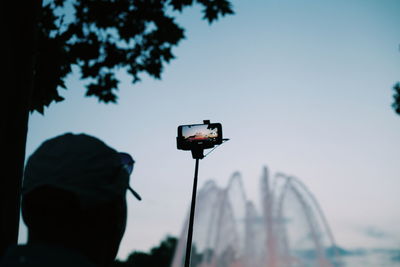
[{"x": 19, "y": 24}]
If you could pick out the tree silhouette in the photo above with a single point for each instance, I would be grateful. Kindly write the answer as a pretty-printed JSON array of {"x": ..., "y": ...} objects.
[
  {"x": 396, "y": 96},
  {"x": 98, "y": 37},
  {"x": 102, "y": 36},
  {"x": 160, "y": 256}
]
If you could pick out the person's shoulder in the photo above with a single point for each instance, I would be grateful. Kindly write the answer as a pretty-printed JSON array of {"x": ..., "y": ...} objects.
[
  {"x": 14, "y": 256},
  {"x": 43, "y": 255}
]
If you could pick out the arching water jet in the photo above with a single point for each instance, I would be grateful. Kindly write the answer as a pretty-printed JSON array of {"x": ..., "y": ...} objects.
[{"x": 289, "y": 231}]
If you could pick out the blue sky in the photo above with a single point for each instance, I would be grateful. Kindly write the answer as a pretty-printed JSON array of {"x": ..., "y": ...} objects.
[{"x": 303, "y": 87}]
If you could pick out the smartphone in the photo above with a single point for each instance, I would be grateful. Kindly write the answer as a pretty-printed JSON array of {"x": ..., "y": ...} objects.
[{"x": 199, "y": 136}]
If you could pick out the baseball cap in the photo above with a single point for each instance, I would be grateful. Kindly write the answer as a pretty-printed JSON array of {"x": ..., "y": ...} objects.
[{"x": 81, "y": 164}]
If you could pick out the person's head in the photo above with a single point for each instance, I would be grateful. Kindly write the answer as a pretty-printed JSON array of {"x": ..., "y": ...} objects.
[{"x": 74, "y": 195}]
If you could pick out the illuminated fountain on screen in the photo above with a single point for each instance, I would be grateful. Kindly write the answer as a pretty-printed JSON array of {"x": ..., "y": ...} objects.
[{"x": 288, "y": 230}]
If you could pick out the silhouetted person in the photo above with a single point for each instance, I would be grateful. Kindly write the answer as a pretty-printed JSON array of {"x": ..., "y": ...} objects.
[{"x": 73, "y": 204}]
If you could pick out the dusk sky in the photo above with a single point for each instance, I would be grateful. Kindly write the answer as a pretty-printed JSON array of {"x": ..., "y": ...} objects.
[{"x": 302, "y": 87}]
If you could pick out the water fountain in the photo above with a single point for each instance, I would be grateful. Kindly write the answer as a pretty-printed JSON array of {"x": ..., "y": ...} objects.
[{"x": 289, "y": 231}]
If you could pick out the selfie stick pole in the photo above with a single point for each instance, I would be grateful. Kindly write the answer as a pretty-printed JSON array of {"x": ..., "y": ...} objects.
[{"x": 197, "y": 154}]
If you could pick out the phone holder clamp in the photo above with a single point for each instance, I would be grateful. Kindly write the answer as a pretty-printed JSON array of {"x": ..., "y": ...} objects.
[{"x": 198, "y": 153}]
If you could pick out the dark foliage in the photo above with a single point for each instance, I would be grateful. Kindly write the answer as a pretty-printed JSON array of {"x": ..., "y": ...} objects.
[
  {"x": 102, "y": 36},
  {"x": 396, "y": 96},
  {"x": 160, "y": 256}
]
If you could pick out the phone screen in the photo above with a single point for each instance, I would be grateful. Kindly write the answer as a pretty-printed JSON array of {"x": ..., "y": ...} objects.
[{"x": 199, "y": 132}]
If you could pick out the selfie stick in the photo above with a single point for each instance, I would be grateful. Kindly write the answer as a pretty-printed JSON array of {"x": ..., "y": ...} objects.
[
  {"x": 191, "y": 219},
  {"x": 197, "y": 154}
]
